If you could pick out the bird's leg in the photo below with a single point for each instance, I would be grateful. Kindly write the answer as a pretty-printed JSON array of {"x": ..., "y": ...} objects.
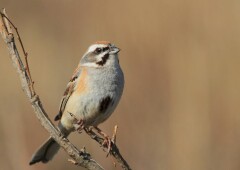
[
  {"x": 78, "y": 124},
  {"x": 108, "y": 142}
]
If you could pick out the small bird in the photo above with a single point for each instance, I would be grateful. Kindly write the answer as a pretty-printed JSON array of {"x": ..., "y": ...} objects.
[{"x": 91, "y": 96}]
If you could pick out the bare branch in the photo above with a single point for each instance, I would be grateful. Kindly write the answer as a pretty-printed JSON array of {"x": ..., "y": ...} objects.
[{"x": 81, "y": 158}]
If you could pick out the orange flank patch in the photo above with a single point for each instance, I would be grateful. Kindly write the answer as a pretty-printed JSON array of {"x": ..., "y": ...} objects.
[
  {"x": 102, "y": 42},
  {"x": 82, "y": 84}
]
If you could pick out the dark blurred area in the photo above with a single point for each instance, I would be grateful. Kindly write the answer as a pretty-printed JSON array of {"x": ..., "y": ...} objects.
[{"x": 180, "y": 109}]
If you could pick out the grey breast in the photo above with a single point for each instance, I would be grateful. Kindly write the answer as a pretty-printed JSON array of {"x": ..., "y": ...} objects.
[{"x": 106, "y": 90}]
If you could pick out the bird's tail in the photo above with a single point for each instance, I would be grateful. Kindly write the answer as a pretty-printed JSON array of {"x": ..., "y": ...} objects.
[
  {"x": 48, "y": 149},
  {"x": 46, "y": 152}
]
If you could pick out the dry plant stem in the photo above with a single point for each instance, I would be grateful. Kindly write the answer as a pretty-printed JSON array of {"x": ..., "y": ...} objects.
[
  {"x": 114, "y": 136},
  {"x": 7, "y": 21},
  {"x": 80, "y": 158}
]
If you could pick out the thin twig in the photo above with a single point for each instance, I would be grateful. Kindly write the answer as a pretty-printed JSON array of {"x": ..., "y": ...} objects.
[
  {"x": 81, "y": 158},
  {"x": 114, "y": 136},
  {"x": 4, "y": 15}
]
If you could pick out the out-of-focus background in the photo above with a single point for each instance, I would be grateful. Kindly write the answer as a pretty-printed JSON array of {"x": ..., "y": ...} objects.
[{"x": 181, "y": 105}]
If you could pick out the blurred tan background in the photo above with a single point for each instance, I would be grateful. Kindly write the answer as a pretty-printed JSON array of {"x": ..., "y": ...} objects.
[{"x": 181, "y": 105}]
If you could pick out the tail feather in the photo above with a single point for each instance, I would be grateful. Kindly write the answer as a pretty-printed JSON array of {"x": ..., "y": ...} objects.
[
  {"x": 49, "y": 148},
  {"x": 45, "y": 152}
]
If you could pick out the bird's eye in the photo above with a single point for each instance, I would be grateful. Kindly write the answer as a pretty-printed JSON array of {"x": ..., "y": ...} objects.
[
  {"x": 98, "y": 51},
  {"x": 105, "y": 49}
]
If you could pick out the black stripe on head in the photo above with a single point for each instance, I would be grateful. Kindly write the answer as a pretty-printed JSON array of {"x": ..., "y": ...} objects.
[
  {"x": 104, "y": 60},
  {"x": 105, "y": 49},
  {"x": 104, "y": 104}
]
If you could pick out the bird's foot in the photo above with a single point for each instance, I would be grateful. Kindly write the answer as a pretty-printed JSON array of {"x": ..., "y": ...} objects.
[
  {"x": 108, "y": 142},
  {"x": 79, "y": 125}
]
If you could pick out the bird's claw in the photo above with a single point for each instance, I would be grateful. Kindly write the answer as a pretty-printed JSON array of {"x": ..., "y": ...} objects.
[
  {"x": 108, "y": 143},
  {"x": 79, "y": 125}
]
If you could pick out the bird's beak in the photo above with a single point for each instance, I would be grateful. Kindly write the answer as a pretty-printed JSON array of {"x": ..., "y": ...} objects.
[{"x": 114, "y": 50}]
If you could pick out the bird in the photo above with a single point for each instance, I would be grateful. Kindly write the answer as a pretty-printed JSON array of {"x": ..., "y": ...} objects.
[{"x": 91, "y": 96}]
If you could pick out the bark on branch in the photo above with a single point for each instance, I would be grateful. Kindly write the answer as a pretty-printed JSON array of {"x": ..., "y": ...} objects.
[{"x": 79, "y": 157}]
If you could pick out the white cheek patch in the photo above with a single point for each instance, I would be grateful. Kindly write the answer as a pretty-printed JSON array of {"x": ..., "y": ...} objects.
[{"x": 90, "y": 65}]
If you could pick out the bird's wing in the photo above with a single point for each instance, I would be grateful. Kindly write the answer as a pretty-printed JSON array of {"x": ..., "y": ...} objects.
[{"x": 68, "y": 92}]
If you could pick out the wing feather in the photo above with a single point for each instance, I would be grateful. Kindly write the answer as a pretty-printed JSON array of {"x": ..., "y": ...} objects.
[{"x": 68, "y": 92}]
